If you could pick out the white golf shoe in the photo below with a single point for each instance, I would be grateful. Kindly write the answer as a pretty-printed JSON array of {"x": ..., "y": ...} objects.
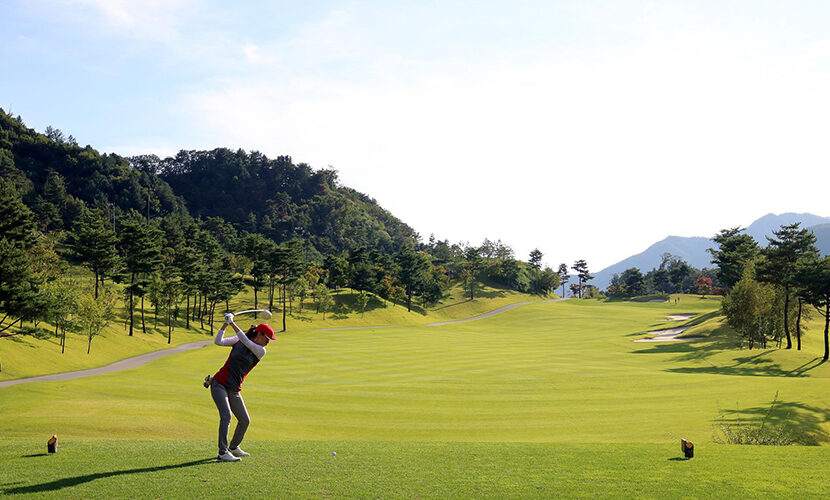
[
  {"x": 228, "y": 457},
  {"x": 237, "y": 452}
]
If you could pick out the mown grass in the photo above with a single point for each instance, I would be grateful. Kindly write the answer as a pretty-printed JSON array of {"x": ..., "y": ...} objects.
[{"x": 307, "y": 469}]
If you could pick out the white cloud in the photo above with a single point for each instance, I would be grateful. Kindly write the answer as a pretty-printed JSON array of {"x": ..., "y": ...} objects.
[{"x": 153, "y": 19}]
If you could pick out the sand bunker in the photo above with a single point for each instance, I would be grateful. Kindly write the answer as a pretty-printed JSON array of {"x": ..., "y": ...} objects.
[{"x": 670, "y": 334}]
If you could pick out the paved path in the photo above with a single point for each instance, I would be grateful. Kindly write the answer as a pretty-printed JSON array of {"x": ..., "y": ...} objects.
[
  {"x": 495, "y": 311},
  {"x": 124, "y": 364}
]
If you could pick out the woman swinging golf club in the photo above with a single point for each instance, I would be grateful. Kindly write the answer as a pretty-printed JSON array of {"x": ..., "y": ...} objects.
[{"x": 247, "y": 348}]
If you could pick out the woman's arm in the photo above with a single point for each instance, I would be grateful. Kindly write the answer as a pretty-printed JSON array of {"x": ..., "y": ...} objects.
[
  {"x": 220, "y": 337},
  {"x": 255, "y": 348}
]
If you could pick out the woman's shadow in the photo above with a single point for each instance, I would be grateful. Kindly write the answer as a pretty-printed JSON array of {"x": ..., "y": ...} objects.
[{"x": 68, "y": 482}]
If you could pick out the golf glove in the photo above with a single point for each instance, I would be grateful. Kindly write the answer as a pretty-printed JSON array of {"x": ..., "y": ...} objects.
[{"x": 228, "y": 317}]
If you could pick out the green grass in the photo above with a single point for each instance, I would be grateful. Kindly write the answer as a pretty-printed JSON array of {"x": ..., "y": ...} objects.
[
  {"x": 543, "y": 400},
  {"x": 562, "y": 372},
  {"x": 307, "y": 469}
]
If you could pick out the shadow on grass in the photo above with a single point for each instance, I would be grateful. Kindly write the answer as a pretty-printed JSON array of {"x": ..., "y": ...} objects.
[
  {"x": 753, "y": 366},
  {"x": 679, "y": 459},
  {"x": 69, "y": 482},
  {"x": 803, "y": 422},
  {"x": 34, "y": 455}
]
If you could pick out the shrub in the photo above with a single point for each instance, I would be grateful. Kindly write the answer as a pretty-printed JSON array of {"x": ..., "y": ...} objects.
[{"x": 765, "y": 432}]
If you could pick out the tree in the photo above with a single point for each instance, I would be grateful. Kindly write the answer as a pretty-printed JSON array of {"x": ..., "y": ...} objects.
[
  {"x": 361, "y": 301},
  {"x": 789, "y": 244},
  {"x": 94, "y": 314},
  {"x": 581, "y": 268},
  {"x": 361, "y": 276},
  {"x": 470, "y": 269},
  {"x": 141, "y": 246},
  {"x": 323, "y": 299},
  {"x": 301, "y": 288},
  {"x": 547, "y": 281},
  {"x": 62, "y": 297},
  {"x": 535, "y": 259},
  {"x": 746, "y": 305},
  {"x": 679, "y": 270},
  {"x": 632, "y": 282},
  {"x": 291, "y": 267},
  {"x": 735, "y": 249},
  {"x": 95, "y": 244},
  {"x": 337, "y": 271},
  {"x": 813, "y": 279},
  {"x": 412, "y": 266},
  {"x": 703, "y": 285},
  {"x": 256, "y": 248},
  {"x": 19, "y": 286},
  {"x": 564, "y": 277}
]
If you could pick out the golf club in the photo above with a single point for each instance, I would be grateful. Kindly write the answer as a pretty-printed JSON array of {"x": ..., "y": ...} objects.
[{"x": 265, "y": 312}]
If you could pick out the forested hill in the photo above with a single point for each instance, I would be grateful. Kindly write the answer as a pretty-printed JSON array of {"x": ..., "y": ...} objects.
[
  {"x": 279, "y": 199},
  {"x": 273, "y": 197}
]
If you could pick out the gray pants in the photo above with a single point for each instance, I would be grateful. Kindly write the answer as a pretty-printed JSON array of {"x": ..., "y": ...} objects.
[{"x": 227, "y": 402}]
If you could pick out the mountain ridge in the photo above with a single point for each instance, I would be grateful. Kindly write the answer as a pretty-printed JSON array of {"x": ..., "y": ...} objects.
[{"x": 692, "y": 249}]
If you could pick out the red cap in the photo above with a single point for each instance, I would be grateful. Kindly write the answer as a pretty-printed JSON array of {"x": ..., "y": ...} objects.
[{"x": 266, "y": 330}]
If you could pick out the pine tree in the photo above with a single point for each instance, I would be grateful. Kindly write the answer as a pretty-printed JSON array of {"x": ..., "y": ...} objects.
[
  {"x": 535, "y": 259},
  {"x": 563, "y": 276},
  {"x": 412, "y": 266},
  {"x": 19, "y": 285},
  {"x": 95, "y": 244},
  {"x": 789, "y": 244},
  {"x": 141, "y": 246}
]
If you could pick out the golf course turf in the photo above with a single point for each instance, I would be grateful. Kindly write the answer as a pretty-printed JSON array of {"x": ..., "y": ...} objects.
[{"x": 545, "y": 399}]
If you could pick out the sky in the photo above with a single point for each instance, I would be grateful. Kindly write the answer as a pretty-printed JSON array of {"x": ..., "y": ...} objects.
[{"x": 586, "y": 129}]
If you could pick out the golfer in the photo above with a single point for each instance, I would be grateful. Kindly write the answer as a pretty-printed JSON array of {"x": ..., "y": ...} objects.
[{"x": 247, "y": 348}]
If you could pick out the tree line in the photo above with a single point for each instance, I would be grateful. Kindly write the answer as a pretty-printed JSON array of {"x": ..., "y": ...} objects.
[{"x": 673, "y": 275}]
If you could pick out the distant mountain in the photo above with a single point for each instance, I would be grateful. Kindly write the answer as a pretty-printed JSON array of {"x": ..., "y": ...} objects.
[
  {"x": 693, "y": 249},
  {"x": 822, "y": 232},
  {"x": 764, "y": 226}
]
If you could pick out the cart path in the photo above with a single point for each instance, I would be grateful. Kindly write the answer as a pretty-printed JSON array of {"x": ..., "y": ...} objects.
[
  {"x": 496, "y": 311},
  {"x": 124, "y": 364}
]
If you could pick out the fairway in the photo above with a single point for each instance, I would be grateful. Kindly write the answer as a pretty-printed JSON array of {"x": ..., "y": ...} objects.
[{"x": 567, "y": 376}]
